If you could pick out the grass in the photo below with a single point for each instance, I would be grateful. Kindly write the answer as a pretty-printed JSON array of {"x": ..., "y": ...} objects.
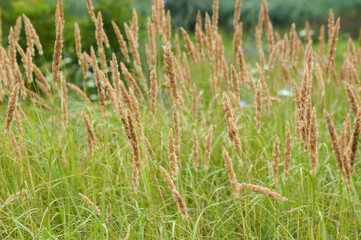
[{"x": 57, "y": 167}]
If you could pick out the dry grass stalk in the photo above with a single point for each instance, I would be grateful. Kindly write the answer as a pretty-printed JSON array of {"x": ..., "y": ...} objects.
[
  {"x": 169, "y": 69},
  {"x": 135, "y": 147},
  {"x": 207, "y": 154},
  {"x": 64, "y": 101},
  {"x": 172, "y": 155},
  {"x": 272, "y": 57},
  {"x": 262, "y": 190},
  {"x": 79, "y": 92},
  {"x": 258, "y": 106},
  {"x": 16, "y": 148},
  {"x": 133, "y": 45},
  {"x": 330, "y": 25},
  {"x": 122, "y": 43},
  {"x": 332, "y": 46},
  {"x": 29, "y": 39},
  {"x": 334, "y": 140},
  {"x": 176, "y": 132},
  {"x": 167, "y": 31},
  {"x": 58, "y": 48},
  {"x": 41, "y": 77},
  {"x": 189, "y": 45},
  {"x": 153, "y": 90},
  {"x": 288, "y": 149},
  {"x": 91, "y": 204},
  {"x": 78, "y": 43},
  {"x": 17, "y": 29},
  {"x": 209, "y": 37},
  {"x": 352, "y": 149},
  {"x": 180, "y": 203},
  {"x": 12, "y": 50},
  {"x": 131, "y": 81},
  {"x": 90, "y": 133},
  {"x": 29, "y": 66},
  {"x": 13, "y": 196},
  {"x": 313, "y": 142},
  {"x": 231, "y": 174},
  {"x": 276, "y": 158},
  {"x": 237, "y": 13},
  {"x": 167, "y": 179},
  {"x": 34, "y": 35},
  {"x": 235, "y": 83},
  {"x": 186, "y": 72},
  {"x": 321, "y": 40},
  {"x": 18, "y": 120},
  {"x": 11, "y": 107},
  {"x": 352, "y": 99},
  {"x": 232, "y": 128},
  {"x": 291, "y": 51},
  {"x": 152, "y": 41}
]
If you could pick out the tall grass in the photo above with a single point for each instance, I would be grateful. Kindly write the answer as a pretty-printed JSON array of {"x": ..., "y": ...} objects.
[{"x": 187, "y": 144}]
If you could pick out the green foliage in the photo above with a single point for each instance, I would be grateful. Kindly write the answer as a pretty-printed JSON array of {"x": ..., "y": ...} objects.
[
  {"x": 282, "y": 12},
  {"x": 42, "y": 12}
]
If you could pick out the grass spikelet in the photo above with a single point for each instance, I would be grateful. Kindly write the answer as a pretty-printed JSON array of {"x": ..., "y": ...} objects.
[
  {"x": 332, "y": 47},
  {"x": 276, "y": 158},
  {"x": 58, "y": 48},
  {"x": 17, "y": 29},
  {"x": 262, "y": 190},
  {"x": 351, "y": 99},
  {"x": 152, "y": 41},
  {"x": 207, "y": 154},
  {"x": 167, "y": 178},
  {"x": 288, "y": 149},
  {"x": 180, "y": 203},
  {"x": 11, "y": 107},
  {"x": 215, "y": 8},
  {"x": 90, "y": 135},
  {"x": 29, "y": 66},
  {"x": 334, "y": 140},
  {"x": 232, "y": 128},
  {"x": 78, "y": 42},
  {"x": 135, "y": 147},
  {"x": 122, "y": 43},
  {"x": 153, "y": 90},
  {"x": 235, "y": 83},
  {"x": 237, "y": 13},
  {"x": 79, "y": 92},
  {"x": 313, "y": 142},
  {"x": 133, "y": 45},
  {"x": 189, "y": 45},
  {"x": 172, "y": 155},
  {"x": 16, "y": 148},
  {"x": 91, "y": 204},
  {"x": 354, "y": 140},
  {"x": 231, "y": 175},
  {"x": 169, "y": 69}
]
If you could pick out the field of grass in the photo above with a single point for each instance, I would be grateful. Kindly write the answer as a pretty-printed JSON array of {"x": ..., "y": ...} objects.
[{"x": 56, "y": 182}]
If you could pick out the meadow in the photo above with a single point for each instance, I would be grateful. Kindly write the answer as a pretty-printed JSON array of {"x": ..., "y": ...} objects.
[{"x": 196, "y": 139}]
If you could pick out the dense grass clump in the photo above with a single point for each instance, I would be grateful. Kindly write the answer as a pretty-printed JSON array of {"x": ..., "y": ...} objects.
[{"x": 187, "y": 143}]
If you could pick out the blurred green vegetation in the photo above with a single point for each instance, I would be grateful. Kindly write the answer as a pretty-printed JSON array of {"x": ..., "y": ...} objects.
[
  {"x": 282, "y": 13},
  {"x": 42, "y": 15}
]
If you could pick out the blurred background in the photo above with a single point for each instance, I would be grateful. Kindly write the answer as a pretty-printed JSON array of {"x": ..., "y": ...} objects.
[{"x": 282, "y": 13}]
